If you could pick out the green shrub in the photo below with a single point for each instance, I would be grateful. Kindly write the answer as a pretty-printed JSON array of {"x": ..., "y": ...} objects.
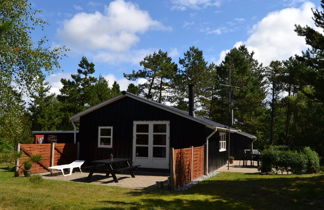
[
  {"x": 284, "y": 160},
  {"x": 279, "y": 147},
  {"x": 298, "y": 162},
  {"x": 27, "y": 165},
  {"x": 36, "y": 158},
  {"x": 268, "y": 159},
  {"x": 279, "y": 158},
  {"x": 5, "y": 146},
  {"x": 313, "y": 162}
]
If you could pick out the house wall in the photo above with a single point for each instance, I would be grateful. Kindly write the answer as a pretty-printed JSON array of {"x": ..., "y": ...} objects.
[
  {"x": 121, "y": 115},
  {"x": 238, "y": 144},
  {"x": 216, "y": 158},
  {"x": 60, "y": 137}
]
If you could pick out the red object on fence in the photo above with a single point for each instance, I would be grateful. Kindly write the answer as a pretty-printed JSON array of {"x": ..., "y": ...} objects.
[{"x": 39, "y": 139}]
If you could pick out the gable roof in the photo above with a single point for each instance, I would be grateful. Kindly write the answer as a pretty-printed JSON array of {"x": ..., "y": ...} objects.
[{"x": 208, "y": 123}]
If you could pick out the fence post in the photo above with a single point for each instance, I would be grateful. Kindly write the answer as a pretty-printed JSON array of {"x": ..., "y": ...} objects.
[
  {"x": 52, "y": 153},
  {"x": 173, "y": 175},
  {"x": 17, "y": 160},
  {"x": 192, "y": 162}
]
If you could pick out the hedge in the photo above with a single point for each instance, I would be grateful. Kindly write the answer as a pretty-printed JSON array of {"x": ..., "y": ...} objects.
[{"x": 281, "y": 159}]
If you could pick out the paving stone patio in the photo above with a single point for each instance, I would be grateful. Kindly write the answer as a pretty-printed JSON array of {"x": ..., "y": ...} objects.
[
  {"x": 140, "y": 181},
  {"x": 238, "y": 167}
]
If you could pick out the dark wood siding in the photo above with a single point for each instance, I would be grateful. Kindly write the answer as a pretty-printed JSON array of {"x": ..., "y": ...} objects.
[
  {"x": 121, "y": 115},
  {"x": 238, "y": 144},
  {"x": 60, "y": 137},
  {"x": 216, "y": 159}
]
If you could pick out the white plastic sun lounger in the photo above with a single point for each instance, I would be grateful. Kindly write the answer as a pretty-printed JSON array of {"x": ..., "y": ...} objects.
[{"x": 71, "y": 166}]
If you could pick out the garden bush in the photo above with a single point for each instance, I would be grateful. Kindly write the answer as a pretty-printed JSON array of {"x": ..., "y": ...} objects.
[
  {"x": 313, "y": 162},
  {"x": 298, "y": 162},
  {"x": 269, "y": 159},
  {"x": 281, "y": 159}
]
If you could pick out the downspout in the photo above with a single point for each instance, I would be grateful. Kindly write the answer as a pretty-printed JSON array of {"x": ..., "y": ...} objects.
[
  {"x": 207, "y": 143},
  {"x": 74, "y": 132}
]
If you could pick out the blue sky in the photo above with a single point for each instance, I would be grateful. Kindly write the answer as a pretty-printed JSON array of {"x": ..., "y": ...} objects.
[{"x": 117, "y": 34}]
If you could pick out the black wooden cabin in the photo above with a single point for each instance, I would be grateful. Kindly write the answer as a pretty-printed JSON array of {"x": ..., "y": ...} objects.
[{"x": 129, "y": 126}]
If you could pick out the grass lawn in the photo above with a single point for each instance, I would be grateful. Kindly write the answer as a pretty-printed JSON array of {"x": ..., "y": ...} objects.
[{"x": 224, "y": 191}]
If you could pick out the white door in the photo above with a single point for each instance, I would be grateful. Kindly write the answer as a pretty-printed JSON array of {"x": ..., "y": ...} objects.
[{"x": 151, "y": 144}]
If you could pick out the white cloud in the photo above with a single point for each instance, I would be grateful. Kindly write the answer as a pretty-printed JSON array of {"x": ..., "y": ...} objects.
[
  {"x": 131, "y": 56},
  {"x": 215, "y": 31},
  {"x": 54, "y": 81},
  {"x": 174, "y": 53},
  {"x": 77, "y": 7},
  {"x": 116, "y": 29},
  {"x": 293, "y": 3},
  {"x": 274, "y": 38},
  {"x": 194, "y": 4},
  {"x": 123, "y": 82}
]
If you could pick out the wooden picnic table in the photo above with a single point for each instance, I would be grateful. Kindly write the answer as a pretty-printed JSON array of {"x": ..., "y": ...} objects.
[{"x": 112, "y": 166}]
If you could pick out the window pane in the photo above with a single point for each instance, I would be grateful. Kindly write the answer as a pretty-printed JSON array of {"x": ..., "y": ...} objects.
[
  {"x": 159, "y": 128},
  {"x": 159, "y": 152},
  {"x": 141, "y": 151},
  {"x": 142, "y": 128},
  {"x": 105, "y": 141},
  {"x": 159, "y": 139},
  {"x": 142, "y": 139},
  {"x": 105, "y": 132}
]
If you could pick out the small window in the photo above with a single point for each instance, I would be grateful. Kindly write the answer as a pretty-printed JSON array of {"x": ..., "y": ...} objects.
[
  {"x": 222, "y": 142},
  {"x": 105, "y": 137}
]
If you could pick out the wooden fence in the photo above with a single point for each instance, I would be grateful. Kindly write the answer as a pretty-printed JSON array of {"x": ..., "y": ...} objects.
[
  {"x": 52, "y": 154},
  {"x": 188, "y": 165}
]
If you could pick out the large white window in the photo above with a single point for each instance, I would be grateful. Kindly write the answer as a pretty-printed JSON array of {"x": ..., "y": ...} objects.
[
  {"x": 105, "y": 136},
  {"x": 222, "y": 142}
]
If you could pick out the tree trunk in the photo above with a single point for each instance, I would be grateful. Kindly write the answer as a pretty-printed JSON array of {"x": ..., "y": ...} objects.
[
  {"x": 160, "y": 90},
  {"x": 149, "y": 94}
]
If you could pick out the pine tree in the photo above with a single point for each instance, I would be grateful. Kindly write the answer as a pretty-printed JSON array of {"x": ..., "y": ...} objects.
[
  {"x": 44, "y": 108},
  {"x": 314, "y": 57},
  {"x": 193, "y": 71},
  {"x": 75, "y": 94},
  {"x": 100, "y": 91},
  {"x": 158, "y": 70},
  {"x": 247, "y": 89},
  {"x": 133, "y": 89},
  {"x": 115, "y": 89}
]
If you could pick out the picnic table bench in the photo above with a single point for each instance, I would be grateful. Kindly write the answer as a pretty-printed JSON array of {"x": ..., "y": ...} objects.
[{"x": 112, "y": 166}]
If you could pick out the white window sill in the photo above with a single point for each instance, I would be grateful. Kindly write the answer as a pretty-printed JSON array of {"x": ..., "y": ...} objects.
[{"x": 222, "y": 150}]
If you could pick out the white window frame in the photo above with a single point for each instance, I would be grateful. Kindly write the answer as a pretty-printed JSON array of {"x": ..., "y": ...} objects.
[
  {"x": 100, "y": 136},
  {"x": 222, "y": 142}
]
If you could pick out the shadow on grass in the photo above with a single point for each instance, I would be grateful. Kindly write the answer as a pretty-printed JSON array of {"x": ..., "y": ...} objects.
[{"x": 249, "y": 192}]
